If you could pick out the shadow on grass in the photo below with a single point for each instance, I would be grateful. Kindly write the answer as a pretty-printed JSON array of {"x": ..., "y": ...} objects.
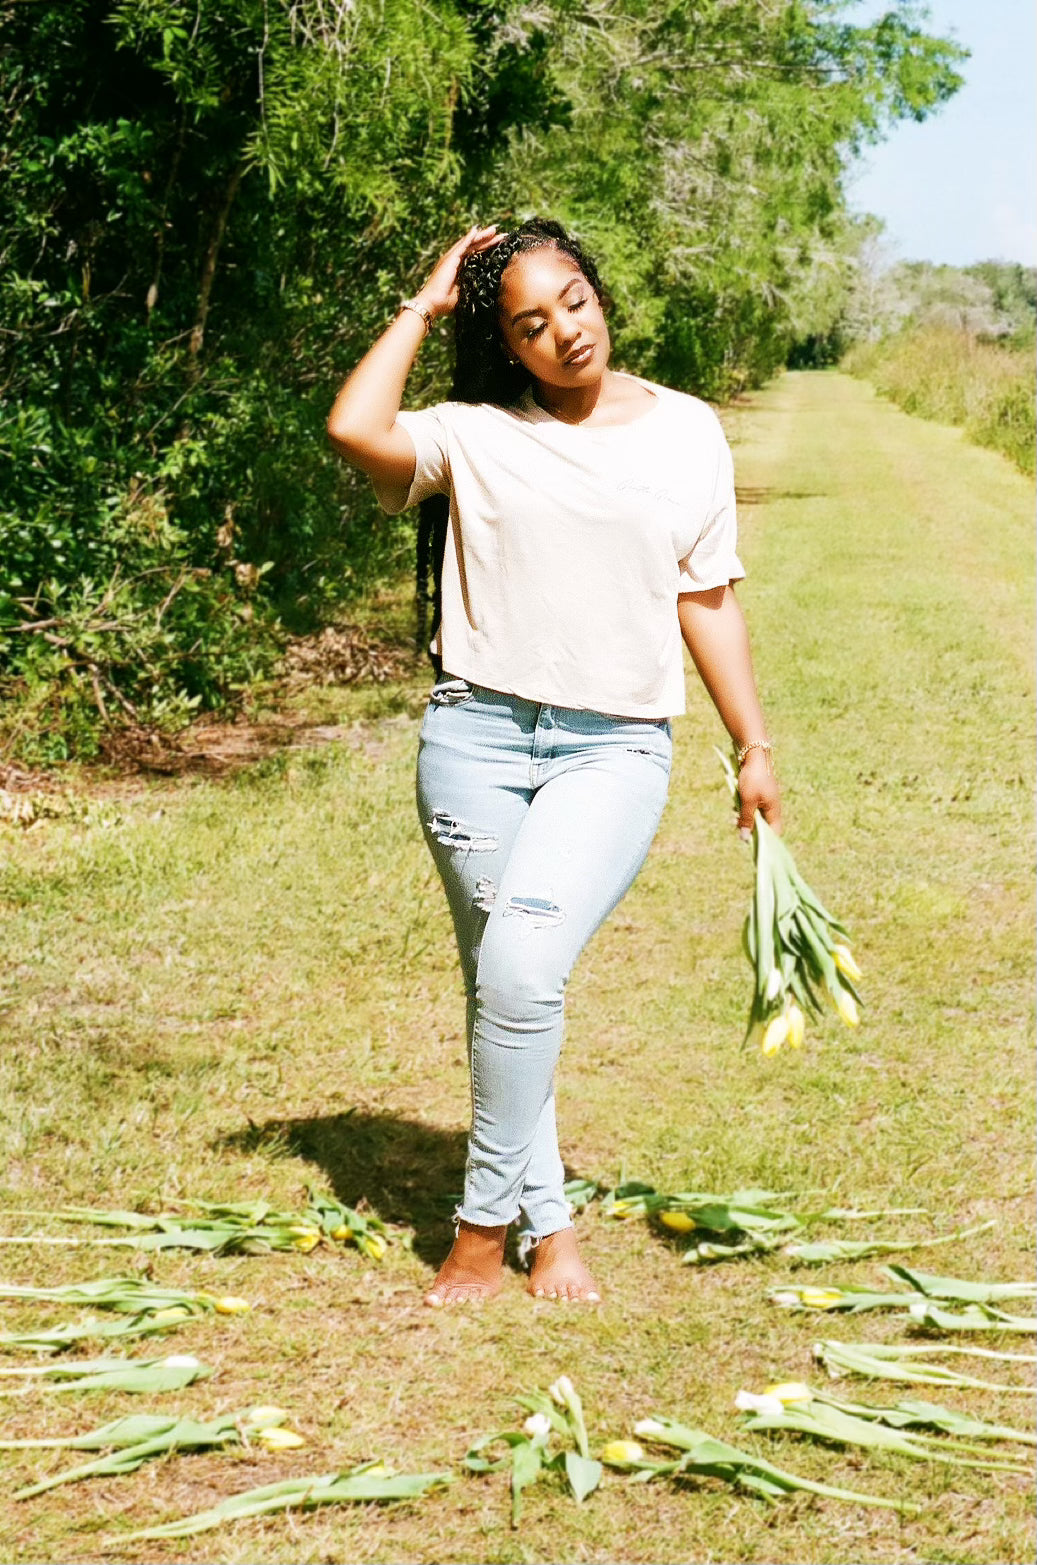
[
  {"x": 763, "y": 495},
  {"x": 409, "y": 1173}
]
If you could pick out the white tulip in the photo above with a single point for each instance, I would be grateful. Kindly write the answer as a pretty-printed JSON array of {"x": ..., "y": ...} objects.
[
  {"x": 537, "y": 1427},
  {"x": 769, "y": 1407}
]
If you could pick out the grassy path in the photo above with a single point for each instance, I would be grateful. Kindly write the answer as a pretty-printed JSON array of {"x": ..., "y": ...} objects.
[{"x": 226, "y": 991}]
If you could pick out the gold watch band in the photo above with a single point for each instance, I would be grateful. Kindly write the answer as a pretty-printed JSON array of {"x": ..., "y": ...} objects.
[{"x": 419, "y": 309}]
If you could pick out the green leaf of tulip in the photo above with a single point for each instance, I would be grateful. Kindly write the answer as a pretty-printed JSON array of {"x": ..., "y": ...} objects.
[
  {"x": 708, "y": 1457},
  {"x": 355, "y": 1486},
  {"x": 899, "y": 1362},
  {"x": 583, "y": 1473},
  {"x": 959, "y": 1290},
  {"x": 827, "y": 1421}
]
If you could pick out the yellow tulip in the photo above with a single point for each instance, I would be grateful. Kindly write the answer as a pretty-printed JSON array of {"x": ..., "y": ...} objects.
[
  {"x": 789, "y": 1391},
  {"x": 229, "y": 1305},
  {"x": 265, "y": 1417},
  {"x": 845, "y": 963},
  {"x": 775, "y": 1035},
  {"x": 626, "y": 1208},
  {"x": 279, "y": 1439},
  {"x": 306, "y": 1243},
  {"x": 796, "y": 1027},
  {"x": 374, "y": 1246},
  {"x": 820, "y": 1298},
  {"x": 345, "y": 1233},
  {"x": 620, "y": 1453},
  {"x": 680, "y": 1222},
  {"x": 846, "y": 1005}
]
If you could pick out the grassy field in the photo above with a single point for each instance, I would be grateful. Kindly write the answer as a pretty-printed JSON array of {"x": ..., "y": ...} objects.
[{"x": 228, "y": 990}]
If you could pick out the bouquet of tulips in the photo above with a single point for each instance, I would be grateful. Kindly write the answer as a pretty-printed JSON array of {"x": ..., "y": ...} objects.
[{"x": 796, "y": 947}]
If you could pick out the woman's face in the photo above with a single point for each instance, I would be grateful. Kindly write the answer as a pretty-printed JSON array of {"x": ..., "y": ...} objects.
[{"x": 551, "y": 319}]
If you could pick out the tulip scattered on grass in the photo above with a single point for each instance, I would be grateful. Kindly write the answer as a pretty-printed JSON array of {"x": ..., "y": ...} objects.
[
  {"x": 132, "y": 1441},
  {"x": 931, "y": 1416},
  {"x": 136, "y": 1376},
  {"x": 125, "y": 1295},
  {"x": 835, "y": 1423},
  {"x": 899, "y": 1362},
  {"x": 749, "y": 1222},
  {"x": 824, "y": 1252},
  {"x": 705, "y": 1457},
  {"x": 366, "y": 1484},
  {"x": 149, "y": 1310},
  {"x": 924, "y": 1303},
  {"x": 581, "y": 1192},
  {"x": 223, "y": 1228},
  {"x": 559, "y": 1411},
  {"x": 958, "y": 1289}
]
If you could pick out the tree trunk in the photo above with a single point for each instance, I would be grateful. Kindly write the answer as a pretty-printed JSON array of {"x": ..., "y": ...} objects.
[{"x": 208, "y": 276}]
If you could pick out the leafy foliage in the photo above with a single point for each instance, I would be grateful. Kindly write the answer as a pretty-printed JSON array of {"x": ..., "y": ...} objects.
[{"x": 209, "y": 209}]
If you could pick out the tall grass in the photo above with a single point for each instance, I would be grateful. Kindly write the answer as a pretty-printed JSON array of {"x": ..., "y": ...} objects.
[{"x": 940, "y": 373}]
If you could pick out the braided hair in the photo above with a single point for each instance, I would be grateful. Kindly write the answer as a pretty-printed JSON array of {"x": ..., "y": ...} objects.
[
  {"x": 483, "y": 373},
  {"x": 482, "y": 370}
]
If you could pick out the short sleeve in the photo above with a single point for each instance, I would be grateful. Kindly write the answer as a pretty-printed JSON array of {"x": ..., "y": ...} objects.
[
  {"x": 713, "y": 561},
  {"x": 428, "y": 431}
]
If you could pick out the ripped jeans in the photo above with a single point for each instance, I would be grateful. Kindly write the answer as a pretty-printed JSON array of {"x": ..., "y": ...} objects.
[{"x": 538, "y": 818}]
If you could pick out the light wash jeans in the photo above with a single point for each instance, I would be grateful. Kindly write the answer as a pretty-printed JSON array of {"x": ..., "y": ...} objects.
[{"x": 538, "y": 818}]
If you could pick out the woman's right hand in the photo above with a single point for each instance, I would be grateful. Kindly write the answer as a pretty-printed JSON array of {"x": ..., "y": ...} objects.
[
  {"x": 362, "y": 425},
  {"x": 439, "y": 295}
]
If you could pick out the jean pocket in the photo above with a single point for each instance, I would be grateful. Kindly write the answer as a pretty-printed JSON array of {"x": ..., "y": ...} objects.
[{"x": 451, "y": 692}]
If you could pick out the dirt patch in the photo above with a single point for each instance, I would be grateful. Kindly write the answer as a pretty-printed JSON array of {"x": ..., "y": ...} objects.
[
  {"x": 339, "y": 655},
  {"x": 349, "y": 655}
]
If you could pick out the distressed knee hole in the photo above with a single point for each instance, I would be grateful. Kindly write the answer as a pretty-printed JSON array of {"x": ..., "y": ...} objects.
[
  {"x": 454, "y": 833},
  {"x": 485, "y": 894},
  {"x": 537, "y": 910}
]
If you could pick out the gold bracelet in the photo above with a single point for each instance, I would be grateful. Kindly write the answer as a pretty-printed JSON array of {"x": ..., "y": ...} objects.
[
  {"x": 757, "y": 744},
  {"x": 419, "y": 309}
]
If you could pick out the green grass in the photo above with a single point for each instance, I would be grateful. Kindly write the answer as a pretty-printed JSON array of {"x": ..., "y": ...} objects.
[
  {"x": 228, "y": 990},
  {"x": 985, "y": 387}
]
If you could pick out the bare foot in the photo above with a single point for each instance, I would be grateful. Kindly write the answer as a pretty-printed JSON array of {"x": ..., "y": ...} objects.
[
  {"x": 472, "y": 1270},
  {"x": 558, "y": 1273}
]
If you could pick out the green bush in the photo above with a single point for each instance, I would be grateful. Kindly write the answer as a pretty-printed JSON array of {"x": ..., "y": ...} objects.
[{"x": 987, "y": 388}]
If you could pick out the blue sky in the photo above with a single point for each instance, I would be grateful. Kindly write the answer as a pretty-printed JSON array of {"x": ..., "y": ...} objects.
[{"x": 962, "y": 186}]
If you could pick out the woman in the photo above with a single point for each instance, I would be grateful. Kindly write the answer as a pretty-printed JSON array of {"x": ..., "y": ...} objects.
[{"x": 592, "y": 525}]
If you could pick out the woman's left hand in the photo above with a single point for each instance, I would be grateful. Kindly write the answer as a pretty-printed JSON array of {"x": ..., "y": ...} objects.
[{"x": 758, "y": 790}]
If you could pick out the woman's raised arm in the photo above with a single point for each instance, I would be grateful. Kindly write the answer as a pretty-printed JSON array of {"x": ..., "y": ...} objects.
[{"x": 362, "y": 424}]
